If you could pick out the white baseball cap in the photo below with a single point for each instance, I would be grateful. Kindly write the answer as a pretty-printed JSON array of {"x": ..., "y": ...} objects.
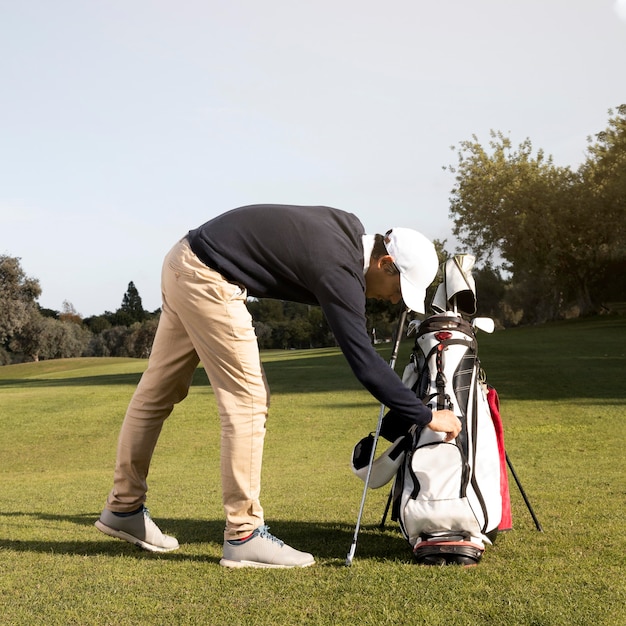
[{"x": 416, "y": 259}]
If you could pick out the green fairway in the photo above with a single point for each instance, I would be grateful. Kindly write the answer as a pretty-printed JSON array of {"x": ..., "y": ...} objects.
[{"x": 563, "y": 401}]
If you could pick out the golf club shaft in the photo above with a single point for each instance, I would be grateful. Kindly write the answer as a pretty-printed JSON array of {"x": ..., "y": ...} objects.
[
  {"x": 392, "y": 364},
  {"x": 367, "y": 481}
]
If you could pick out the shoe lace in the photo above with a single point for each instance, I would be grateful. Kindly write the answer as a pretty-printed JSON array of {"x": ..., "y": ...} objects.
[{"x": 264, "y": 532}]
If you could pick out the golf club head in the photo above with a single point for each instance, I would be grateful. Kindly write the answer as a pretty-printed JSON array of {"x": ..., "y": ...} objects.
[
  {"x": 413, "y": 327},
  {"x": 486, "y": 324}
]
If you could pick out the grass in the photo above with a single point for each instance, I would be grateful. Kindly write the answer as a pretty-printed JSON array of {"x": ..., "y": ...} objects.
[{"x": 563, "y": 403}]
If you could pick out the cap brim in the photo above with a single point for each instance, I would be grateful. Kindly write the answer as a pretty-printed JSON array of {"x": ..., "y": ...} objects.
[{"x": 413, "y": 296}]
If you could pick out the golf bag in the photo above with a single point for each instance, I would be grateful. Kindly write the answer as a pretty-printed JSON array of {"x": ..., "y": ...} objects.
[{"x": 449, "y": 498}]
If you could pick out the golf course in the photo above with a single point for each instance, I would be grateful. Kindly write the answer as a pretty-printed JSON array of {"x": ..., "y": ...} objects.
[{"x": 563, "y": 401}]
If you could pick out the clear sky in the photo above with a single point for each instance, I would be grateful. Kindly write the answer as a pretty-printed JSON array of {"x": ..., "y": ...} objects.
[{"x": 124, "y": 123}]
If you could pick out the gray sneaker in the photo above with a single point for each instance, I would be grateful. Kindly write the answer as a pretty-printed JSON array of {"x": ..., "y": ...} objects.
[
  {"x": 263, "y": 550},
  {"x": 138, "y": 529}
]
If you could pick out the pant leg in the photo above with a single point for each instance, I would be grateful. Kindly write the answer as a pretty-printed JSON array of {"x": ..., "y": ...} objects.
[
  {"x": 165, "y": 382},
  {"x": 217, "y": 321}
]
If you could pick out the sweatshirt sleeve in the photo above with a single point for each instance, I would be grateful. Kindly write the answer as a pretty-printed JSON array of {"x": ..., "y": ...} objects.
[{"x": 342, "y": 299}]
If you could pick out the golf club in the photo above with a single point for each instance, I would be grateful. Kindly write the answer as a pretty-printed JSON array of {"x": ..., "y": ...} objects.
[{"x": 392, "y": 364}]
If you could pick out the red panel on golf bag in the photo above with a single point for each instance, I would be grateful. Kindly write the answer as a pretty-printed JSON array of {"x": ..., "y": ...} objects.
[{"x": 506, "y": 523}]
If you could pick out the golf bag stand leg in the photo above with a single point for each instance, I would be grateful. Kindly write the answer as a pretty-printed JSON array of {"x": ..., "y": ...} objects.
[
  {"x": 387, "y": 507},
  {"x": 524, "y": 496},
  {"x": 392, "y": 364}
]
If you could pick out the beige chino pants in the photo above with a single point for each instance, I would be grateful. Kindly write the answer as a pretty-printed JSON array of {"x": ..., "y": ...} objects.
[{"x": 204, "y": 318}]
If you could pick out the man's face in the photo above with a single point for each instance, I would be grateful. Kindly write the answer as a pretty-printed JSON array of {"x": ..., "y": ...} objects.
[{"x": 381, "y": 282}]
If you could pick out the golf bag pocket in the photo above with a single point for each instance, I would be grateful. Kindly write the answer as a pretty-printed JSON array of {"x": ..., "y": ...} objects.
[
  {"x": 384, "y": 468},
  {"x": 433, "y": 500}
]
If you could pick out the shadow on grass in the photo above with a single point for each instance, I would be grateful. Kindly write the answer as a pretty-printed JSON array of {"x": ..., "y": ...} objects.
[
  {"x": 583, "y": 359},
  {"x": 325, "y": 540},
  {"x": 300, "y": 374},
  {"x": 78, "y": 381},
  {"x": 516, "y": 376}
]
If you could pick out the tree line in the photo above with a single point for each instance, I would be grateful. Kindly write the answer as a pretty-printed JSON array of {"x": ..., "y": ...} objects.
[
  {"x": 550, "y": 243},
  {"x": 29, "y": 332}
]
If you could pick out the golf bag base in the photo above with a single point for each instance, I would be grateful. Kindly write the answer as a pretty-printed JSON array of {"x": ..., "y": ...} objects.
[{"x": 463, "y": 553}]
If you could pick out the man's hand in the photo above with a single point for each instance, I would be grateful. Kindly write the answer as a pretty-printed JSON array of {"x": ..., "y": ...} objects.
[{"x": 445, "y": 421}]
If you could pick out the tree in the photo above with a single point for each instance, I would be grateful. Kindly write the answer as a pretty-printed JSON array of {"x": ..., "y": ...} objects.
[
  {"x": 48, "y": 338},
  {"x": 132, "y": 305},
  {"x": 266, "y": 310},
  {"x": 18, "y": 295},
  {"x": 69, "y": 313},
  {"x": 604, "y": 181},
  {"x": 382, "y": 318},
  {"x": 506, "y": 201},
  {"x": 542, "y": 220},
  {"x": 263, "y": 333},
  {"x": 26, "y": 343},
  {"x": 63, "y": 340},
  {"x": 490, "y": 290},
  {"x": 140, "y": 338},
  {"x": 110, "y": 342},
  {"x": 97, "y": 323}
]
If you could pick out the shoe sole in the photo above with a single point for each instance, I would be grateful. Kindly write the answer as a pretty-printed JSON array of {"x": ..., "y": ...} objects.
[
  {"x": 257, "y": 565},
  {"x": 120, "y": 534}
]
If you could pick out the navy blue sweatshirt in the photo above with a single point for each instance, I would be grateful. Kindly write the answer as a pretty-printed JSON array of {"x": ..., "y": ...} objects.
[{"x": 312, "y": 255}]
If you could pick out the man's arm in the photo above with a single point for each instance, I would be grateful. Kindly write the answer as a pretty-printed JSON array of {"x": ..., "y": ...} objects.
[{"x": 343, "y": 303}]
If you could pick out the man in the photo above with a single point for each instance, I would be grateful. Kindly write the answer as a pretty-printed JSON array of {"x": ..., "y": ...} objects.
[{"x": 316, "y": 255}]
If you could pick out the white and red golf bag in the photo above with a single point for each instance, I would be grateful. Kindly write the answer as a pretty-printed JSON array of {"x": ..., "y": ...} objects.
[{"x": 449, "y": 498}]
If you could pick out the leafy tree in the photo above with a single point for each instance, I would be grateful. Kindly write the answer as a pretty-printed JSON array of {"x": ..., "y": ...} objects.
[
  {"x": 263, "y": 334},
  {"x": 140, "y": 338},
  {"x": 18, "y": 295},
  {"x": 266, "y": 310},
  {"x": 49, "y": 312},
  {"x": 321, "y": 334},
  {"x": 382, "y": 318},
  {"x": 97, "y": 323},
  {"x": 110, "y": 342},
  {"x": 545, "y": 222},
  {"x": 26, "y": 344},
  {"x": 5, "y": 356},
  {"x": 123, "y": 341},
  {"x": 63, "y": 339},
  {"x": 507, "y": 201},
  {"x": 119, "y": 318},
  {"x": 604, "y": 183},
  {"x": 490, "y": 291},
  {"x": 48, "y": 338}
]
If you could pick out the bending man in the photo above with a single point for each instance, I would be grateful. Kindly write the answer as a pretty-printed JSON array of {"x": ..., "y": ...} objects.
[{"x": 315, "y": 255}]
